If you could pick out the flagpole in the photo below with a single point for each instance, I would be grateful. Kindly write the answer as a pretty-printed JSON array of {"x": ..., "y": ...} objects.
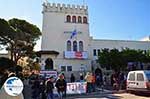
[{"x": 76, "y": 31}]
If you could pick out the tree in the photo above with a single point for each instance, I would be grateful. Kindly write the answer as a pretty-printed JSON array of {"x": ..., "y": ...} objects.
[
  {"x": 19, "y": 36},
  {"x": 104, "y": 58},
  {"x": 118, "y": 60}
]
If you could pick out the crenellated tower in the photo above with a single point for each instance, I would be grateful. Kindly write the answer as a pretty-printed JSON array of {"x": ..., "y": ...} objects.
[
  {"x": 63, "y": 8},
  {"x": 59, "y": 22}
]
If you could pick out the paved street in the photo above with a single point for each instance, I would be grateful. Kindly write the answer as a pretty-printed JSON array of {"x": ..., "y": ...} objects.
[
  {"x": 131, "y": 96},
  {"x": 108, "y": 95}
]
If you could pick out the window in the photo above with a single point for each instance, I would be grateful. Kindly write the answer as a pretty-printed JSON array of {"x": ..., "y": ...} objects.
[
  {"x": 84, "y": 19},
  {"x": 148, "y": 77},
  {"x": 98, "y": 51},
  {"x": 68, "y": 45},
  {"x": 74, "y": 19},
  {"x": 132, "y": 77},
  {"x": 80, "y": 46},
  {"x": 63, "y": 68},
  {"x": 68, "y": 18},
  {"x": 140, "y": 77},
  {"x": 79, "y": 19},
  {"x": 94, "y": 52},
  {"x": 74, "y": 45},
  {"x": 49, "y": 64},
  {"x": 69, "y": 68}
]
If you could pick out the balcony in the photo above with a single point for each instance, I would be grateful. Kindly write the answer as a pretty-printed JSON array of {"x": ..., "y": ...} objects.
[{"x": 75, "y": 55}]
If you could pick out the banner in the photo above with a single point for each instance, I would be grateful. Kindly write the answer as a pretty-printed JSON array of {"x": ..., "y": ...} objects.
[
  {"x": 75, "y": 55},
  {"x": 48, "y": 74},
  {"x": 76, "y": 88}
]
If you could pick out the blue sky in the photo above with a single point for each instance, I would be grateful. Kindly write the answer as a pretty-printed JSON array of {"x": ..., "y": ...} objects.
[{"x": 109, "y": 19}]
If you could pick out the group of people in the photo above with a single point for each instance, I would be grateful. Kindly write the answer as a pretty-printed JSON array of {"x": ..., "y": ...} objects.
[
  {"x": 118, "y": 81},
  {"x": 94, "y": 80},
  {"x": 61, "y": 85},
  {"x": 101, "y": 81},
  {"x": 45, "y": 89}
]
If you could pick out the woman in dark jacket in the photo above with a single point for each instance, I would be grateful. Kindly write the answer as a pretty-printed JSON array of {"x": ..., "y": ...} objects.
[
  {"x": 49, "y": 88},
  {"x": 61, "y": 86}
]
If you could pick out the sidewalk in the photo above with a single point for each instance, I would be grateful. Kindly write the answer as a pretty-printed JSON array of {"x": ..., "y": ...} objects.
[
  {"x": 98, "y": 92},
  {"x": 111, "y": 91}
]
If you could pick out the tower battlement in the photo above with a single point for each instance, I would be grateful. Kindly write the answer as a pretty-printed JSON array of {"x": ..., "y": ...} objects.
[{"x": 63, "y": 8}]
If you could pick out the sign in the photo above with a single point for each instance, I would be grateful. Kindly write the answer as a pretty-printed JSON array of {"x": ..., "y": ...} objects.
[
  {"x": 48, "y": 74},
  {"x": 76, "y": 88},
  {"x": 75, "y": 55},
  {"x": 13, "y": 86}
]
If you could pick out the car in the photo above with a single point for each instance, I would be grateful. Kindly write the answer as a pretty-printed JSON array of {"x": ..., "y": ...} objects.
[{"x": 138, "y": 81}]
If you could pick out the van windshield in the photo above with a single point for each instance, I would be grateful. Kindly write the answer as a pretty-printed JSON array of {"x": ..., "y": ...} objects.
[{"x": 148, "y": 77}]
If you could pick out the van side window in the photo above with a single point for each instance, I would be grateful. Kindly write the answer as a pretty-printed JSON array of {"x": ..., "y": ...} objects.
[
  {"x": 132, "y": 77},
  {"x": 140, "y": 77}
]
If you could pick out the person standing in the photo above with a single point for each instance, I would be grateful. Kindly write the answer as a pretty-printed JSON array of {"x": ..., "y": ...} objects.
[
  {"x": 93, "y": 82},
  {"x": 49, "y": 88},
  {"x": 61, "y": 86},
  {"x": 88, "y": 79},
  {"x": 81, "y": 78},
  {"x": 36, "y": 88},
  {"x": 72, "y": 78}
]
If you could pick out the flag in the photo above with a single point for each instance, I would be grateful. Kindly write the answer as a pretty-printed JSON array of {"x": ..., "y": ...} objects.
[{"x": 73, "y": 34}]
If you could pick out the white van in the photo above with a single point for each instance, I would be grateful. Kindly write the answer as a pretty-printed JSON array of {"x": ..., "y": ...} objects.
[{"x": 138, "y": 81}]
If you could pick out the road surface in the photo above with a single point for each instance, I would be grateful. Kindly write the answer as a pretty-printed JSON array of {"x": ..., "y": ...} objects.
[{"x": 109, "y": 96}]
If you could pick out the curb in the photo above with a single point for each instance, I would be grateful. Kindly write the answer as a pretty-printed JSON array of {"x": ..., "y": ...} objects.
[
  {"x": 98, "y": 92},
  {"x": 119, "y": 92}
]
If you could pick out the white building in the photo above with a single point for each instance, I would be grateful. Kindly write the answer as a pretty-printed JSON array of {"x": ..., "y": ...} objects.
[{"x": 76, "y": 53}]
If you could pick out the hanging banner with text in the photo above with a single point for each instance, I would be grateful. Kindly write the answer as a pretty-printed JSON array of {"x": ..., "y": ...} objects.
[
  {"x": 75, "y": 55},
  {"x": 48, "y": 74}
]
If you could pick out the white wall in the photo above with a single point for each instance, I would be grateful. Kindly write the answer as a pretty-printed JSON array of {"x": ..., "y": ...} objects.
[{"x": 54, "y": 38}]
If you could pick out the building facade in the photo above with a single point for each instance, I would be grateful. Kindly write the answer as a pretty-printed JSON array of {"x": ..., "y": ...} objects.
[{"x": 66, "y": 42}]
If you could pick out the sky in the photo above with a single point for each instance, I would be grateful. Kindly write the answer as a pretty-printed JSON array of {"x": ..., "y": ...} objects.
[{"x": 108, "y": 19}]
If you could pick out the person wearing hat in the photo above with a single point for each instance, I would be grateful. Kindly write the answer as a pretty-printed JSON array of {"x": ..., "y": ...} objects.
[{"x": 49, "y": 88}]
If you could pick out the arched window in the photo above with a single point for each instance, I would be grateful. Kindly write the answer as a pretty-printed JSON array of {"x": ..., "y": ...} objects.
[
  {"x": 68, "y": 45},
  {"x": 79, "y": 19},
  {"x": 74, "y": 19},
  {"x": 80, "y": 46},
  {"x": 49, "y": 64},
  {"x": 68, "y": 18},
  {"x": 74, "y": 45},
  {"x": 84, "y": 19}
]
